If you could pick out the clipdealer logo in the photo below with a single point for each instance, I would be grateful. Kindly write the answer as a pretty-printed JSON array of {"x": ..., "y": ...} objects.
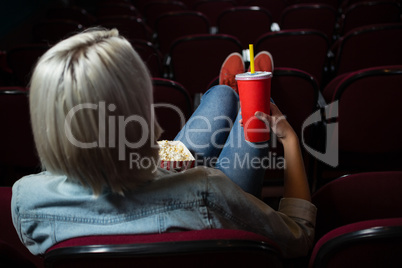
[
  {"x": 113, "y": 126},
  {"x": 328, "y": 116}
]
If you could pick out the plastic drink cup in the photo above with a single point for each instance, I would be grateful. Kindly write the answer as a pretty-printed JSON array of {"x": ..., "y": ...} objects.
[{"x": 255, "y": 95}]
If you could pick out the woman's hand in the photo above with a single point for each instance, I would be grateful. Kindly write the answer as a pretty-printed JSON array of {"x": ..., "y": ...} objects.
[{"x": 277, "y": 121}]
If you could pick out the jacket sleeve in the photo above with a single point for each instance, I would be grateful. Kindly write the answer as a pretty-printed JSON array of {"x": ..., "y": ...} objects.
[
  {"x": 291, "y": 227},
  {"x": 15, "y": 216},
  {"x": 34, "y": 233}
]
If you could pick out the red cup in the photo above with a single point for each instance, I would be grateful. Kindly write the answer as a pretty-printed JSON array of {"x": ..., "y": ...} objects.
[{"x": 255, "y": 95}]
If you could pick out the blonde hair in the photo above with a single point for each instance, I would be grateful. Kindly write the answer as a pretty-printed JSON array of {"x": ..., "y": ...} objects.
[{"x": 87, "y": 93}]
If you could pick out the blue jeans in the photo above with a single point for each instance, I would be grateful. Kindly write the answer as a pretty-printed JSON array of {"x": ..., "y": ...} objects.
[{"x": 214, "y": 136}]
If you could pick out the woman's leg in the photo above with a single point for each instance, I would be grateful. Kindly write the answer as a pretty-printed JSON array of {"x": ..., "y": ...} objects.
[
  {"x": 206, "y": 131},
  {"x": 214, "y": 130},
  {"x": 244, "y": 162}
]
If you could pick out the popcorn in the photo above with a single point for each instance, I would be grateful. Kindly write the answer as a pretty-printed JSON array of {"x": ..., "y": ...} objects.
[
  {"x": 175, "y": 155},
  {"x": 174, "y": 151}
]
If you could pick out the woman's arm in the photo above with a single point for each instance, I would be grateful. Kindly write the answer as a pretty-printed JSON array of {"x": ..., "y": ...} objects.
[{"x": 295, "y": 181}]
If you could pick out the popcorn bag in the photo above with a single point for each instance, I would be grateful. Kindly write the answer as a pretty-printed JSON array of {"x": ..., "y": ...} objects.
[{"x": 174, "y": 155}]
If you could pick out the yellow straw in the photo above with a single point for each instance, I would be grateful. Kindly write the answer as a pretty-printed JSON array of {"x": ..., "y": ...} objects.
[{"x": 251, "y": 48}]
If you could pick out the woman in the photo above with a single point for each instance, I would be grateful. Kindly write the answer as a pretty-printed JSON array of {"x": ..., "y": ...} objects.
[{"x": 90, "y": 101}]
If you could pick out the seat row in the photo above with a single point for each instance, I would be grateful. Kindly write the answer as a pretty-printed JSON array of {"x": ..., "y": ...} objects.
[
  {"x": 303, "y": 49},
  {"x": 247, "y": 25},
  {"x": 212, "y": 8},
  {"x": 228, "y": 18}
]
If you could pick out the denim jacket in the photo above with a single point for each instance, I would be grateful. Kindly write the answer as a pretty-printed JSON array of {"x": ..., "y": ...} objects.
[{"x": 47, "y": 209}]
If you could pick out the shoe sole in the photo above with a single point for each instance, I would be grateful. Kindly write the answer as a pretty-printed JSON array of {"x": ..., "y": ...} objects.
[
  {"x": 227, "y": 58},
  {"x": 269, "y": 55}
]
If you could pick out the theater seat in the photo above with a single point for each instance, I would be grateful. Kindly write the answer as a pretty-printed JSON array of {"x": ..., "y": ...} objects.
[
  {"x": 365, "y": 110},
  {"x": 369, "y": 244},
  {"x": 358, "y": 197}
]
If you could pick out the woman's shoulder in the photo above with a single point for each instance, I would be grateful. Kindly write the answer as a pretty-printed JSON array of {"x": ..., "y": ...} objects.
[
  {"x": 38, "y": 180},
  {"x": 45, "y": 186}
]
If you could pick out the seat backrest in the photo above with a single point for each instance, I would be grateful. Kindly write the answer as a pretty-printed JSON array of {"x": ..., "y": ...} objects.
[
  {"x": 373, "y": 243},
  {"x": 128, "y": 26},
  {"x": 16, "y": 139},
  {"x": 154, "y": 9},
  {"x": 55, "y": 30},
  {"x": 116, "y": 9},
  {"x": 203, "y": 248},
  {"x": 195, "y": 60},
  {"x": 183, "y": 22},
  {"x": 22, "y": 59},
  {"x": 173, "y": 106},
  {"x": 11, "y": 89},
  {"x": 381, "y": 42},
  {"x": 363, "y": 113},
  {"x": 329, "y": 89},
  {"x": 288, "y": 87},
  {"x": 320, "y": 17},
  {"x": 275, "y": 7},
  {"x": 245, "y": 23},
  {"x": 303, "y": 49},
  {"x": 370, "y": 12},
  {"x": 369, "y": 111},
  {"x": 151, "y": 56},
  {"x": 347, "y": 3},
  {"x": 333, "y": 3},
  {"x": 71, "y": 13},
  {"x": 140, "y": 4},
  {"x": 358, "y": 197},
  {"x": 212, "y": 8}
]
